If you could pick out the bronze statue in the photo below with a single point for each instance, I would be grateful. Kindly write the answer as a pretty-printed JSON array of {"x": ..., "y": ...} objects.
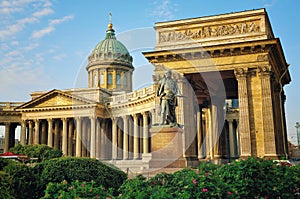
[{"x": 167, "y": 92}]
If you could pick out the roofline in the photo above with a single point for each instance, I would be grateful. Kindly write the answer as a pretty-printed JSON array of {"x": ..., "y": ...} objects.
[{"x": 208, "y": 17}]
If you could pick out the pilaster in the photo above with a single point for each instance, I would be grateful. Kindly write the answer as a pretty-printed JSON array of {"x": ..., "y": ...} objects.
[
  {"x": 264, "y": 73},
  {"x": 244, "y": 118}
]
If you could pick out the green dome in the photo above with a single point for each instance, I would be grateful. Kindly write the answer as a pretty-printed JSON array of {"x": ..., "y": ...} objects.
[{"x": 110, "y": 51}]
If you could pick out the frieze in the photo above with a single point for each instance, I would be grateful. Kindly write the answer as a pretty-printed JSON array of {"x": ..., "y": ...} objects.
[
  {"x": 262, "y": 58},
  {"x": 209, "y": 31}
]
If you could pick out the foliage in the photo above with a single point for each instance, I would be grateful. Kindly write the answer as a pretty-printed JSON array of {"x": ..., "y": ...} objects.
[
  {"x": 76, "y": 189},
  {"x": 5, "y": 162},
  {"x": 24, "y": 183},
  {"x": 260, "y": 178},
  {"x": 42, "y": 152},
  {"x": 81, "y": 169},
  {"x": 250, "y": 178},
  {"x": 5, "y": 186}
]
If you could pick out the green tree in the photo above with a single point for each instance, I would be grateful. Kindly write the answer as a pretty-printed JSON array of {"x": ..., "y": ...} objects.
[
  {"x": 42, "y": 152},
  {"x": 5, "y": 186},
  {"x": 81, "y": 169}
]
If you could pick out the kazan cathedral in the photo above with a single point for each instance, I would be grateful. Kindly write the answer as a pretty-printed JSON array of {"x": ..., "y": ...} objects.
[{"x": 230, "y": 70}]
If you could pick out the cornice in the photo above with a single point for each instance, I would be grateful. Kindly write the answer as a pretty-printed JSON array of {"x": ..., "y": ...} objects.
[{"x": 224, "y": 50}]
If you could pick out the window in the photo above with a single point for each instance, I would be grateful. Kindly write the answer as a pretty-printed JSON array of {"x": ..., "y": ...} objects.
[
  {"x": 109, "y": 81},
  {"x": 95, "y": 81},
  {"x": 125, "y": 80},
  {"x": 101, "y": 78},
  {"x": 118, "y": 79}
]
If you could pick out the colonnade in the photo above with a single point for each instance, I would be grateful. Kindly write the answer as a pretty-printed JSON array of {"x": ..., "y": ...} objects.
[
  {"x": 215, "y": 142},
  {"x": 125, "y": 137}
]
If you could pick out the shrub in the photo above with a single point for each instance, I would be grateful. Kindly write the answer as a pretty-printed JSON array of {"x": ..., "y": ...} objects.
[
  {"x": 81, "y": 169},
  {"x": 42, "y": 152},
  {"x": 5, "y": 186},
  {"x": 5, "y": 162},
  {"x": 76, "y": 189},
  {"x": 250, "y": 178},
  {"x": 24, "y": 183},
  {"x": 260, "y": 178}
]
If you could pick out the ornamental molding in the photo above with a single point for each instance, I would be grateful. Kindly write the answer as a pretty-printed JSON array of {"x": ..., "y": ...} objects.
[{"x": 210, "y": 32}]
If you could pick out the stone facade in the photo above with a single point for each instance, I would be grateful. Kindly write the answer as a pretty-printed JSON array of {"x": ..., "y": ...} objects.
[{"x": 216, "y": 60}]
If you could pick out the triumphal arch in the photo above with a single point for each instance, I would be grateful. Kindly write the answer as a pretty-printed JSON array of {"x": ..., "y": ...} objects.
[{"x": 230, "y": 70}]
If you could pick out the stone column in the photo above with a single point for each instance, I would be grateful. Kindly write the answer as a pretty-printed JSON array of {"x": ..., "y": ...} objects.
[
  {"x": 114, "y": 139},
  {"x": 30, "y": 136},
  {"x": 103, "y": 135},
  {"x": 65, "y": 136},
  {"x": 36, "y": 131},
  {"x": 23, "y": 132},
  {"x": 50, "y": 132},
  {"x": 267, "y": 111},
  {"x": 231, "y": 139},
  {"x": 146, "y": 133},
  {"x": 98, "y": 138},
  {"x": 93, "y": 137},
  {"x": 214, "y": 132},
  {"x": 70, "y": 137},
  {"x": 44, "y": 138},
  {"x": 78, "y": 137},
  {"x": 125, "y": 140},
  {"x": 135, "y": 137},
  {"x": 244, "y": 117},
  {"x": 6, "y": 138},
  {"x": 84, "y": 135},
  {"x": 56, "y": 134},
  {"x": 200, "y": 134},
  {"x": 210, "y": 134}
]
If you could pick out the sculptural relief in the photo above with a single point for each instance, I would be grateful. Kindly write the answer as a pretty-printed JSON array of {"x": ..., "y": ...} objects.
[{"x": 209, "y": 31}]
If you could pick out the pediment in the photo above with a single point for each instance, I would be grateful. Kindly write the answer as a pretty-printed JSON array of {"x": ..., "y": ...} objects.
[{"x": 55, "y": 98}]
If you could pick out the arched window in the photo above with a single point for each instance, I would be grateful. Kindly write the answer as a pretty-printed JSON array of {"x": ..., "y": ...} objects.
[
  {"x": 109, "y": 78},
  {"x": 118, "y": 77},
  {"x": 125, "y": 80},
  {"x": 95, "y": 81},
  {"x": 101, "y": 78}
]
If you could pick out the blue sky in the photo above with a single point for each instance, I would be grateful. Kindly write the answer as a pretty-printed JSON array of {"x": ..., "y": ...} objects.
[{"x": 44, "y": 44}]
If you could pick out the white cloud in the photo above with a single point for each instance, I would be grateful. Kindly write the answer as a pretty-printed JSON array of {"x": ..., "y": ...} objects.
[
  {"x": 51, "y": 27},
  {"x": 15, "y": 28},
  {"x": 164, "y": 10},
  {"x": 43, "y": 12},
  {"x": 59, "y": 21},
  {"x": 42, "y": 32},
  {"x": 12, "y": 6}
]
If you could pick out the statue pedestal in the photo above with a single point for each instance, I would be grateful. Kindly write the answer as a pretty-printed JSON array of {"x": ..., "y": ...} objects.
[{"x": 166, "y": 147}]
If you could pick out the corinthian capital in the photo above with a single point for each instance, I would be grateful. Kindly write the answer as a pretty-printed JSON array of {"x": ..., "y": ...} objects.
[
  {"x": 240, "y": 72},
  {"x": 263, "y": 71}
]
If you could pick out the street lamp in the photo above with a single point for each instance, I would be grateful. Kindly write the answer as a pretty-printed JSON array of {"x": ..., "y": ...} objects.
[{"x": 298, "y": 134}]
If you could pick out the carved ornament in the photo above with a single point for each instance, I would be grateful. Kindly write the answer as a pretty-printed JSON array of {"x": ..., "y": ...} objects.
[
  {"x": 262, "y": 58},
  {"x": 209, "y": 31},
  {"x": 240, "y": 72}
]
